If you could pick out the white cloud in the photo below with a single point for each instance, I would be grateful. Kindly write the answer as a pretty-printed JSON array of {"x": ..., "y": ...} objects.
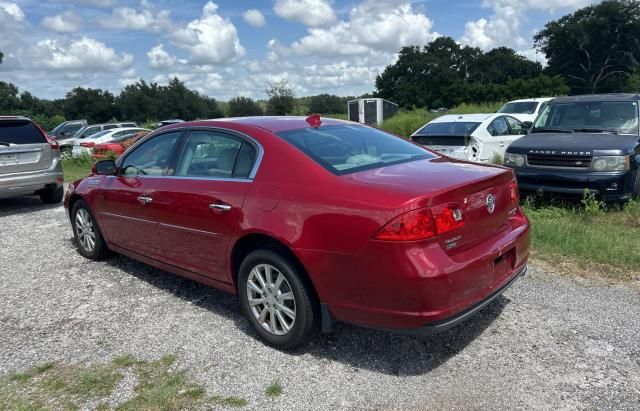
[
  {"x": 125, "y": 18},
  {"x": 211, "y": 39},
  {"x": 159, "y": 58},
  {"x": 383, "y": 25},
  {"x": 254, "y": 18},
  {"x": 503, "y": 28},
  {"x": 312, "y": 13},
  {"x": 13, "y": 10},
  {"x": 85, "y": 54},
  {"x": 67, "y": 22}
]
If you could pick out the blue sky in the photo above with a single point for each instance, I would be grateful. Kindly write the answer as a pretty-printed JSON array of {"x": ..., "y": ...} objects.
[{"x": 225, "y": 48}]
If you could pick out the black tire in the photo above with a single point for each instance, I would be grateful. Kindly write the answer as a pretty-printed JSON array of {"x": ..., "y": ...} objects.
[
  {"x": 306, "y": 315},
  {"x": 99, "y": 250},
  {"x": 52, "y": 195},
  {"x": 636, "y": 187}
]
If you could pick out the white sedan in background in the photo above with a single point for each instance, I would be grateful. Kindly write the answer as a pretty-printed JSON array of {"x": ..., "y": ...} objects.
[
  {"x": 481, "y": 138},
  {"x": 527, "y": 109},
  {"x": 83, "y": 147}
]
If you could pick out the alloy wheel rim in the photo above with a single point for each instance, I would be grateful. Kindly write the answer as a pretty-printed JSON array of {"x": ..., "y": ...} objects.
[
  {"x": 271, "y": 299},
  {"x": 84, "y": 228}
]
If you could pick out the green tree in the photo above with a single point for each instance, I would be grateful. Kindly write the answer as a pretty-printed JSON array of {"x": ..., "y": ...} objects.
[
  {"x": 9, "y": 100},
  {"x": 328, "y": 104},
  {"x": 281, "y": 98},
  {"x": 95, "y": 105},
  {"x": 596, "y": 48},
  {"x": 1, "y": 57},
  {"x": 243, "y": 107}
]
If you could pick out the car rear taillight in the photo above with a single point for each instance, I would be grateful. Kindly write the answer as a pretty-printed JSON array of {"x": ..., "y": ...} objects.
[
  {"x": 53, "y": 143},
  {"x": 513, "y": 192},
  {"x": 88, "y": 144},
  {"x": 422, "y": 224}
]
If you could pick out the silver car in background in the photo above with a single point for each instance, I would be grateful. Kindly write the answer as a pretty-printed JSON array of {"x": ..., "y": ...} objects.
[{"x": 29, "y": 161}]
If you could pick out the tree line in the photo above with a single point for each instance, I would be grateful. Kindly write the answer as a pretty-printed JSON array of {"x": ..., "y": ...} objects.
[{"x": 593, "y": 50}]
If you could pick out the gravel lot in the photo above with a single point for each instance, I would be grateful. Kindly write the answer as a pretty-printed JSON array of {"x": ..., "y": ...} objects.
[{"x": 549, "y": 342}]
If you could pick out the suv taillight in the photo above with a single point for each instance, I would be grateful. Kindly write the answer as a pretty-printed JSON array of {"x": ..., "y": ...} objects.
[
  {"x": 422, "y": 224},
  {"x": 53, "y": 143}
]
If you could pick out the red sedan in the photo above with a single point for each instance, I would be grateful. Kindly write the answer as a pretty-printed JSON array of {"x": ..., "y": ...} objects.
[
  {"x": 310, "y": 221},
  {"x": 115, "y": 147}
]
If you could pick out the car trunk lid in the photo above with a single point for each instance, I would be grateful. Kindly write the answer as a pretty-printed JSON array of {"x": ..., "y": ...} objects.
[
  {"x": 482, "y": 193},
  {"x": 451, "y": 145}
]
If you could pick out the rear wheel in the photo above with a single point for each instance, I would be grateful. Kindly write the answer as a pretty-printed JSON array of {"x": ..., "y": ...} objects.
[
  {"x": 51, "y": 195},
  {"x": 87, "y": 234},
  {"x": 636, "y": 187},
  {"x": 276, "y": 300}
]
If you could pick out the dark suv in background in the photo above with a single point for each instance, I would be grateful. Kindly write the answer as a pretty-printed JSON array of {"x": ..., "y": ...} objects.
[
  {"x": 29, "y": 161},
  {"x": 582, "y": 143}
]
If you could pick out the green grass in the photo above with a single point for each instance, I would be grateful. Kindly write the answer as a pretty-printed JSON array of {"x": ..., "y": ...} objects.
[
  {"x": 159, "y": 386},
  {"x": 75, "y": 168},
  {"x": 602, "y": 240},
  {"x": 274, "y": 389}
]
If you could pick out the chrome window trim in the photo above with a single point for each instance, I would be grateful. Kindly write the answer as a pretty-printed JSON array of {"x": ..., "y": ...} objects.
[{"x": 250, "y": 178}]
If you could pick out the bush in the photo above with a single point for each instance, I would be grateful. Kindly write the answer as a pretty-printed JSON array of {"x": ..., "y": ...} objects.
[{"x": 243, "y": 107}]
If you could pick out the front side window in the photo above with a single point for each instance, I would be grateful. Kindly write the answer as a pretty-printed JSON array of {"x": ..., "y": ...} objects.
[
  {"x": 88, "y": 132},
  {"x": 498, "y": 127},
  {"x": 152, "y": 157},
  {"x": 619, "y": 117},
  {"x": 71, "y": 128},
  {"x": 516, "y": 126},
  {"x": 214, "y": 154},
  {"x": 349, "y": 148}
]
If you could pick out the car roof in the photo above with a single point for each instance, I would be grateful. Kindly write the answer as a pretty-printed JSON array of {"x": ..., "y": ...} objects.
[
  {"x": 524, "y": 100},
  {"x": 598, "y": 97},
  {"x": 13, "y": 118},
  {"x": 273, "y": 124},
  {"x": 462, "y": 118}
]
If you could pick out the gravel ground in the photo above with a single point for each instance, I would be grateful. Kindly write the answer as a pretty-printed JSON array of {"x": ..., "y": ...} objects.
[{"x": 549, "y": 342}]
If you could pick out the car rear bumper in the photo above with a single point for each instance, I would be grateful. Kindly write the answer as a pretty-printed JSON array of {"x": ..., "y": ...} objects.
[
  {"x": 416, "y": 287},
  {"x": 28, "y": 183},
  {"x": 610, "y": 186}
]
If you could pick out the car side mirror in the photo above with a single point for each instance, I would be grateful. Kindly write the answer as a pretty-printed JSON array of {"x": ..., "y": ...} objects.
[
  {"x": 527, "y": 124},
  {"x": 105, "y": 167}
]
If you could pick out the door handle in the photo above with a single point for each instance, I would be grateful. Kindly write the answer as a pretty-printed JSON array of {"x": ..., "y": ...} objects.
[
  {"x": 223, "y": 208},
  {"x": 144, "y": 200}
]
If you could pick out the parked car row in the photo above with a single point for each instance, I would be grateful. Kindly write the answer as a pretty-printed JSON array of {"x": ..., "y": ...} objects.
[{"x": 561, "y": 146}]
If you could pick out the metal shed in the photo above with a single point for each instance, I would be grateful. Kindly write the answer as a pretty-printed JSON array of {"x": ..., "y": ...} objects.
[{"x": 370, "y": 110}]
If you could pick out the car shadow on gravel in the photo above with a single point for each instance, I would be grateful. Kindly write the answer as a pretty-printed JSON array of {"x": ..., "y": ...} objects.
[
  {"x": 358, "y": 348},
  {"x": 23, "y": 205}
]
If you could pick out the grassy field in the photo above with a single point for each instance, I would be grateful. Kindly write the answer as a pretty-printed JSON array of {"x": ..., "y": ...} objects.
[
  {"x": 75, "y": 168},
  {"x": 158, "y": 386},
  {"x": 587, "y": 237}
]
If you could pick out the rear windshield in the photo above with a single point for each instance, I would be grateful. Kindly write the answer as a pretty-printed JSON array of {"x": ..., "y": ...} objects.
[
  {"x": 448, "y": 129},
  {"x": 524, "y": 107},
  {"x": 20, "y": 132},
  {"x": 619, "y": 117},
  {"x": 349, "y": 148}
]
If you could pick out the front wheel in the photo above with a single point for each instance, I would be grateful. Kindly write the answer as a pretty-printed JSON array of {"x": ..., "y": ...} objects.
[
  {"x": 87, "y": 234},
  {"x": 276, "y": 300},
  {"x": 636, "y": 187}
]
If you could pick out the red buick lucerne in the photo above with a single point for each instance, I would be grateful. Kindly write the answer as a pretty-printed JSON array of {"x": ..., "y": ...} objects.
[{"x": 309, "y": 221}]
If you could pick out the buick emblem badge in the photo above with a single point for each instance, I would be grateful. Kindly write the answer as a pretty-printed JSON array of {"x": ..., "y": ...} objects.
[{"x": 491, "y": 203}]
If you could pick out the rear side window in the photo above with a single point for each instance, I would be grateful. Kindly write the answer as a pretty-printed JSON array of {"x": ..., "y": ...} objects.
[
  {"x": 349, "y": 148},
  {"x": 20, "y": 132},
  {"x": 216, "y": 155}
]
